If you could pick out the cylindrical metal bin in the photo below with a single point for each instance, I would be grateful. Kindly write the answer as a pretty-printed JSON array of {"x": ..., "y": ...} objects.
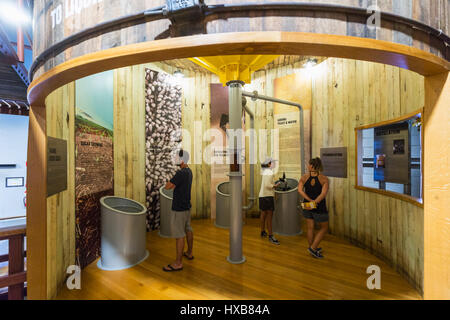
[
  {"x": 223, "y": 205},
  {"x": 287, "y": 218},
  {"x": 124, "y": 234},
  {"x": 223, "y": 198},
  {"x": 166, "y": 197}
]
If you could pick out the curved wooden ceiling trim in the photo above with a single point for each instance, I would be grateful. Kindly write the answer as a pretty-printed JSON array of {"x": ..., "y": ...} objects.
[{"x": 291, "y": 43}]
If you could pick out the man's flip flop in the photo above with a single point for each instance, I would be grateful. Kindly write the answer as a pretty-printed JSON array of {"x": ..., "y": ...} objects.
[
  {"x": 171, "y": 269},
  {"x": 187, "y": 257}
]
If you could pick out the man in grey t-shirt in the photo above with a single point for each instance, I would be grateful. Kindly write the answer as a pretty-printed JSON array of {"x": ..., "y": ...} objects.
[{"x": 180, "y": 217}]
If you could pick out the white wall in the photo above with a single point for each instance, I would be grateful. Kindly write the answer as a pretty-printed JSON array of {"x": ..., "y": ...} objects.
[{"x": 13, "y": 150}]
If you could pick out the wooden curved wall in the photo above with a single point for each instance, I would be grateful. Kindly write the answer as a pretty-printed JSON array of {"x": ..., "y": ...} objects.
[
  {"x": 342, "y": 99},
  {"x": 348, "y": 94},
  {"x": 423, "y": 270},
  {"x": 47, "y": 31}
]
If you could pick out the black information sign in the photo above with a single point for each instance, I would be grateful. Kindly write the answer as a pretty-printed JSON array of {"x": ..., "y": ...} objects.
[
  {"x": 334, "y": 162},
  {"x": 56, "y": 165}
]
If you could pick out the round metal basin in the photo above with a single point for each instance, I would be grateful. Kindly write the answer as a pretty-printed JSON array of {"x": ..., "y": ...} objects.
[
  {"x": 287, "y": 219},
  {"x": 165, "y": 228},
  {"x": 123, "y": 238},
  {"x": 223, "y": 205}
]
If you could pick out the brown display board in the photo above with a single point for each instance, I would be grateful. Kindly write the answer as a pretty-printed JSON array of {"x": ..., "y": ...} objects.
[
  {"x": 219, "y": 122},
  {"x": 56, "y": 165},
  {"x": 334, "y": 161},
  {"x": 94, "y": 161}
]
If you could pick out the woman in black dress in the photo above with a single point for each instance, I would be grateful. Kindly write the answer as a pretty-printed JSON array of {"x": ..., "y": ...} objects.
[{"x": 313, "y": 187}]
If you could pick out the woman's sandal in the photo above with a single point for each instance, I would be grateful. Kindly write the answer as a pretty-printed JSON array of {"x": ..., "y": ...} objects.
[
  {"x": 171, "y": 269},
  {"x": 187, "y": 257}
]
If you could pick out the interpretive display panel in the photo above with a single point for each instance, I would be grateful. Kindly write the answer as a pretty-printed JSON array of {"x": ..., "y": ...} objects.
[
  {"x": 391, "y": 152},
  {"x": 296, "y": 88},
  {"x": 56, "y": 165},
  {"x": 94, "y": 160},
  {"x": 389, "y": 158},
  {"x": 334, "y": 162}
]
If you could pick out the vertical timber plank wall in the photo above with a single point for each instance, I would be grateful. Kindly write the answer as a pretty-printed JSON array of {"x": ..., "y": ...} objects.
[
  {"x": 129, "y": 128},
  {"x": 348, "y": 94},
  {"x": 437, "y": 185},
  {"x": 60, "y": 106},
  {"x": 196, "y": 120},
  {"x": 129, "y": 133}
]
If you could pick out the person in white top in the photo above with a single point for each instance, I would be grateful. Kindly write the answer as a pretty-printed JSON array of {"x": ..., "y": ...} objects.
[{"x": 267, "y": 199}]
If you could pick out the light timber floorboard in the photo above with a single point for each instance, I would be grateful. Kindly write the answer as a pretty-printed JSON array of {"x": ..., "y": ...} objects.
[{"x": 271, "y": 272}]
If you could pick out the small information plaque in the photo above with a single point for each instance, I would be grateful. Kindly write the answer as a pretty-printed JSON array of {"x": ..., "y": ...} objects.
[
  {"x": 334, "y": 162},
  {"x": 14, "y": 182},
  {"x": 56, "y": 165}
]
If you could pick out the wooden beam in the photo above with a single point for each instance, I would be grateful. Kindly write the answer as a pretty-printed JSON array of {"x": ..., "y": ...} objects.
[
  {"x": 5, "y": 257},
  {"x": 11, "y": 280},
  {"x": 237, "y": 43},
  {"x": 391, "y": 121},
  {"x": 11, "y": 231},
  {"x": 37, "y": 204},
  {"x": 415, "y": 201},
  {"x": 437, "y": 187}
]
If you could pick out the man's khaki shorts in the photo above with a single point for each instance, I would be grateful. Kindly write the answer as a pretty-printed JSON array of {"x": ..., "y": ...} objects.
[{"x": 180, "y": 223}]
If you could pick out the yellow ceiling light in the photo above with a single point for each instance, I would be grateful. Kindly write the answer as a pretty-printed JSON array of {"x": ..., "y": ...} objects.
[{"x": 235, "y": 67}]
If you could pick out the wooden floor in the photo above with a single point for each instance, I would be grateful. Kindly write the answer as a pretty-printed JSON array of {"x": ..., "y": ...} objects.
[{"x": 271, "y": 272}]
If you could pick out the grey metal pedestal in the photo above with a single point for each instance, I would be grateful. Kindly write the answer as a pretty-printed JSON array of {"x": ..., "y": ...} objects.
[
  {"x": 223, "y": 199},
  {"x": 223, "y": 205},
  {"x": 287, "y": 218},
  {"x": 166, "y": 197},
  {"x": 124, "y": 234}
]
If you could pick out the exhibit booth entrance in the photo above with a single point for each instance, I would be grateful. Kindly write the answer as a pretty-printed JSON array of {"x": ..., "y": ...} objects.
[
  {"x": 230, "y": 122},
  {"x": 233, "y": 100}
]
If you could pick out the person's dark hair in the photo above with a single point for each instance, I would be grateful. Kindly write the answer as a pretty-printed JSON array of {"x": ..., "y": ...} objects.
[
  {"x": 184, "y": 155},
  {"x": 266, "y": 165},
  {"x": 316, "y": 163}
]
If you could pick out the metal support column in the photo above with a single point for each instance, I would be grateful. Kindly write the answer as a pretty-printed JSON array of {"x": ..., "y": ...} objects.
[
  {"x": 235, "y": 141},
  {"x": 252, "y": 159}
]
